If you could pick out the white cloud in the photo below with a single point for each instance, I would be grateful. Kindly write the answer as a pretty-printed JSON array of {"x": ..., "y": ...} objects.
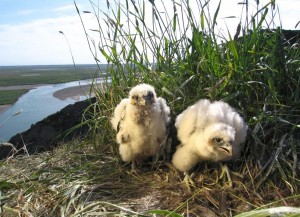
[
  {"x": 70, "y": 7},
  {"x": 289, "y": 13},
  {"x": 27, "y": 12},
  {"x": 39, "y": 42}
]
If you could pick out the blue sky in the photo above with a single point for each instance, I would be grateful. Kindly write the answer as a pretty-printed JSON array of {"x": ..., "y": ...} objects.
[
  {"x": 20, "y": 11},
  {"x": 29, "y": 29},
  {"x": 29, "y": 32}
]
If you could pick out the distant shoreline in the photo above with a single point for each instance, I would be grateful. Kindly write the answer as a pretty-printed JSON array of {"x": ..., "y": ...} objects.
[
  {"x": 70, "y": 92},
  {"x": 19, "y": 87}
]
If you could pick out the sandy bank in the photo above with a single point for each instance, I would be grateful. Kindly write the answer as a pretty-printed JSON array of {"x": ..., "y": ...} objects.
[
  {"x": 73, "y": 92},
  {"x": 3, "y": 108}
]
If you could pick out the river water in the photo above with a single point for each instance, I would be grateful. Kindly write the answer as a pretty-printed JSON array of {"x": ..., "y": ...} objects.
[{"x": 32, "y": 107}]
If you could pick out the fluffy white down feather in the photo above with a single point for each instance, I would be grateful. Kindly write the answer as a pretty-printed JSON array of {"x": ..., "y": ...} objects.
[
  {"x": 140, "y": 125},
  {"x": 205, "y": 131}
]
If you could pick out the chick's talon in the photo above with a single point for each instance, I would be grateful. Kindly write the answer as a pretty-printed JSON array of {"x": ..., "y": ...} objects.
[
  {"x": 133, "y": 166},
  {"x": 188, "y": 181},
  {"x": 225, "y": 170}
]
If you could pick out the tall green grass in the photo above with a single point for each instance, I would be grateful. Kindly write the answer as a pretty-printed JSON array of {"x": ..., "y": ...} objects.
[{"x": 180, "y": 52}]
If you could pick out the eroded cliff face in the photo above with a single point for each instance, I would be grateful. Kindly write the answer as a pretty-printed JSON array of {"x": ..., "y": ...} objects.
[{"x": 50, "y": 131}]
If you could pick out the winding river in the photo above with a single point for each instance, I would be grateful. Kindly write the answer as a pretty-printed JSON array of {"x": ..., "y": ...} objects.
[{"x": 34, "y": 106}]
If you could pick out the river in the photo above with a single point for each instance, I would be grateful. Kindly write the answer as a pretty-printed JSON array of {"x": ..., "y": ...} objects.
[{"x": 32, "y": 107}]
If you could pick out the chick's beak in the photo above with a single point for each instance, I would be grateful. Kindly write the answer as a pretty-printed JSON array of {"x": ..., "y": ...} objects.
[
  {"x": 227, "y": 147},
  {"x": 142, "y": 101}
]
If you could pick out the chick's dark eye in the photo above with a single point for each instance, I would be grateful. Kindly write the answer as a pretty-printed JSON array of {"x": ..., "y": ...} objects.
[
  {"x": 135, "y": 97},
  {"x": 218, "y": 140}
]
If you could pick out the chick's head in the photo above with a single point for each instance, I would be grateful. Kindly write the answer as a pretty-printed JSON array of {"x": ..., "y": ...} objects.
[
  {"x": 220, "y": 139},
  {"x": 142, "y": 95}
]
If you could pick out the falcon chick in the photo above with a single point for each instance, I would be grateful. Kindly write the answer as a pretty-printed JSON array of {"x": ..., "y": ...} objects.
[
  {"x": 141, "y": 124},
  {"x": 208, "y": 131}
]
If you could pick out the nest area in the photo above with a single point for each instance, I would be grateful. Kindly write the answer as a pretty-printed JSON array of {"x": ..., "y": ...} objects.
[{"x": 74, "y": 180}]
